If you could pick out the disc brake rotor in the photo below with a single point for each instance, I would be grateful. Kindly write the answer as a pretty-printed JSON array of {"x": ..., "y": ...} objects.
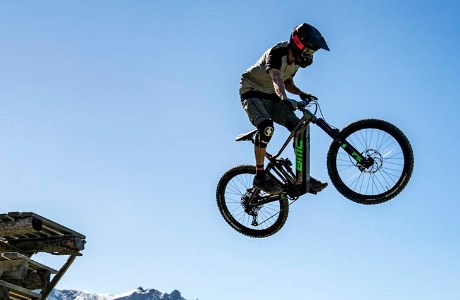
[
  {"x": 377, "y": 159},
  {"x": 374, "y": 160}
]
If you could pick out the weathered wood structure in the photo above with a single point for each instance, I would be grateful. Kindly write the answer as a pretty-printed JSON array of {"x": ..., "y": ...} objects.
[{"x": 21, "y": 236}]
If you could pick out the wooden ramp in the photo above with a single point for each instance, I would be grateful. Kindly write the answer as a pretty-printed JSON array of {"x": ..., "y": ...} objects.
[{"x": 21, "y": 236}]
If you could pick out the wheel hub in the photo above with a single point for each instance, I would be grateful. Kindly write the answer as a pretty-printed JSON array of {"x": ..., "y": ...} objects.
[{"x": 374, "y": 161}]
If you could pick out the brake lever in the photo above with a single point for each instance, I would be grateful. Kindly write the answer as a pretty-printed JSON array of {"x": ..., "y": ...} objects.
[{"x": 303, "y": 103}]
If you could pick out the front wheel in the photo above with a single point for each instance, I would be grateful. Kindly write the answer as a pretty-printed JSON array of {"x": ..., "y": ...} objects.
[
  {"x": 392, "y": 156},
  {"x": 234, "y": 192}
]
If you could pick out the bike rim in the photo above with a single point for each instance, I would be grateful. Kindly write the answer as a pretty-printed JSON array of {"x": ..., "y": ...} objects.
[
  {"x": 237, "y": 189},
  {"x": 387, "y": 170}
]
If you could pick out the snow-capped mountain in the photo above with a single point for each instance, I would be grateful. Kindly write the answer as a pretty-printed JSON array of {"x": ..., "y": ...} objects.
[{"x": 138, "y": 294}]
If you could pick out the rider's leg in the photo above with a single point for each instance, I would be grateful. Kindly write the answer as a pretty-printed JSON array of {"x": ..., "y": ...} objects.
[
  {"x": 260, "y": 160},
  {"x": 258, "y": 115},
  {"x": 283, "y": 115},
  {"x": 261, "y": 180},
  {"x": 264, "y": 135}
]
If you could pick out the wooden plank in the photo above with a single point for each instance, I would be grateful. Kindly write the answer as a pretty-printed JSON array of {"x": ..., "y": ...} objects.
[
  {"x": 6, "y": 247},
  {"x": 57, "y": 277},
  {"x": 4, "y": 293},
  {"x": 23, "y": 226},
  {"x": 17, "y": 292},
  {"x": 24, "y": 272},
  {"x": 23, "y": 234},
  {"x": 29, "y": 233},
  {"x": 32, "y": 263},
  {"x": 14, "y": 269},
  {"x": 34, "y": 280},
  {"x": 65, "y": 245},
  {"x": 53, "y": 227}
]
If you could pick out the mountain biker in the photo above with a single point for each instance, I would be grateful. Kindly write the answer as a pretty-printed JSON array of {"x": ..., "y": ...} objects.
[{"x": 263, "y": 94}]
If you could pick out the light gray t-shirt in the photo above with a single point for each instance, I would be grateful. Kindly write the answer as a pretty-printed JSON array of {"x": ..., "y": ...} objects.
[{"x": 257, "y": 78}]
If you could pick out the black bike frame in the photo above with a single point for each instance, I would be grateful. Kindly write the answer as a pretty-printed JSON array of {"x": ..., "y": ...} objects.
[{"x": 301, "y": 136}]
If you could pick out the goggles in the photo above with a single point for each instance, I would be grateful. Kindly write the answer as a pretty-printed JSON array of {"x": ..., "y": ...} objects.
[{"x": 307, "y": 52}]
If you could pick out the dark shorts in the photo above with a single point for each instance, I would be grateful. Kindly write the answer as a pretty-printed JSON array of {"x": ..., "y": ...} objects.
[{"x": 259, "y": 110}]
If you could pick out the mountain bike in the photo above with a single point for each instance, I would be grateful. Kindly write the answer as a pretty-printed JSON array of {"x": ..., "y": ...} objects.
[{"x": 369, "y": 162}]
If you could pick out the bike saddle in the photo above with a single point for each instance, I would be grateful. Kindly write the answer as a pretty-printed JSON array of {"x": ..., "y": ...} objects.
[{"x": 248, "y": 136}]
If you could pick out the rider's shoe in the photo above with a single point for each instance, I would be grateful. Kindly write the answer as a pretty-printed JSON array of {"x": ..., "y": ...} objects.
[
  {"x": 268, "y": 184},
  {"x": 316, "y": 186}
]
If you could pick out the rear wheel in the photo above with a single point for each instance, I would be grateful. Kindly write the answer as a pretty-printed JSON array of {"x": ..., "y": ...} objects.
[
  {"x": 392, "y": 156},
  {"x": 233, "y": 193}
]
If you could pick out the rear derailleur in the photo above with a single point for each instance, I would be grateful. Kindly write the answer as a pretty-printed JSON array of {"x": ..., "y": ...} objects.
[{"x": 253, "y": 211}]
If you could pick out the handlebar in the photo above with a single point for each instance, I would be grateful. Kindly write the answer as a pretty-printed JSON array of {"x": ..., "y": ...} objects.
[{"x": 302, "y": 105}]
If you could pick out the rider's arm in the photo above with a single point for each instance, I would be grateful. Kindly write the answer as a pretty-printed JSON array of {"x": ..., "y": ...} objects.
[
  {"x": 291, "y": 87},
  {"x": 278, "y": 83}
]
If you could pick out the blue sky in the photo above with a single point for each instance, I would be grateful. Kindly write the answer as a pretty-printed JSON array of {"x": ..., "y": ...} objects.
[{"x": 118, "y": 118}]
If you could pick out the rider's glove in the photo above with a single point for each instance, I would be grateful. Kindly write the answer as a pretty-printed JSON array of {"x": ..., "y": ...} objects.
[
  {"x": 293, "y": 104},
  {"x": 307, "y": 97}
]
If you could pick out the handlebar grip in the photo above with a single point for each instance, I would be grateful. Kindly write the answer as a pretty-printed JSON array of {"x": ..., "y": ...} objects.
[{"x": 308, "y": 98}]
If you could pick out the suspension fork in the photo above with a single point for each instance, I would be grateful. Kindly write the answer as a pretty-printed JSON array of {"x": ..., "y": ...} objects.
[{"x": 334, "y": 133}]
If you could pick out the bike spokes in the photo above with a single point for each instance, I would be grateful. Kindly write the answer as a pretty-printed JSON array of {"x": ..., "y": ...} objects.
[
  {"x": 238, "y": 196},
  {"x": 385, "y": 166},
  {"x": 241, "y": 204},
  {"x": 387, "y": 160}
]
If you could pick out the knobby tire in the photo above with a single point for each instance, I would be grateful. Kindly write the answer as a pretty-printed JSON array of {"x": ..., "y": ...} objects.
[
  {"x": 230, "y": 190},
  {"x": 394, "y": 162}
]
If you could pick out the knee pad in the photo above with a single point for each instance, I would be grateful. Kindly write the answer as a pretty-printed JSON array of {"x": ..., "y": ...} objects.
[{"x": 264, "y": 133}]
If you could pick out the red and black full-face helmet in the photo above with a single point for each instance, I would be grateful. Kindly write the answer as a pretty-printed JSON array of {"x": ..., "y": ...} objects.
[{"x": 305, "y": 40}]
